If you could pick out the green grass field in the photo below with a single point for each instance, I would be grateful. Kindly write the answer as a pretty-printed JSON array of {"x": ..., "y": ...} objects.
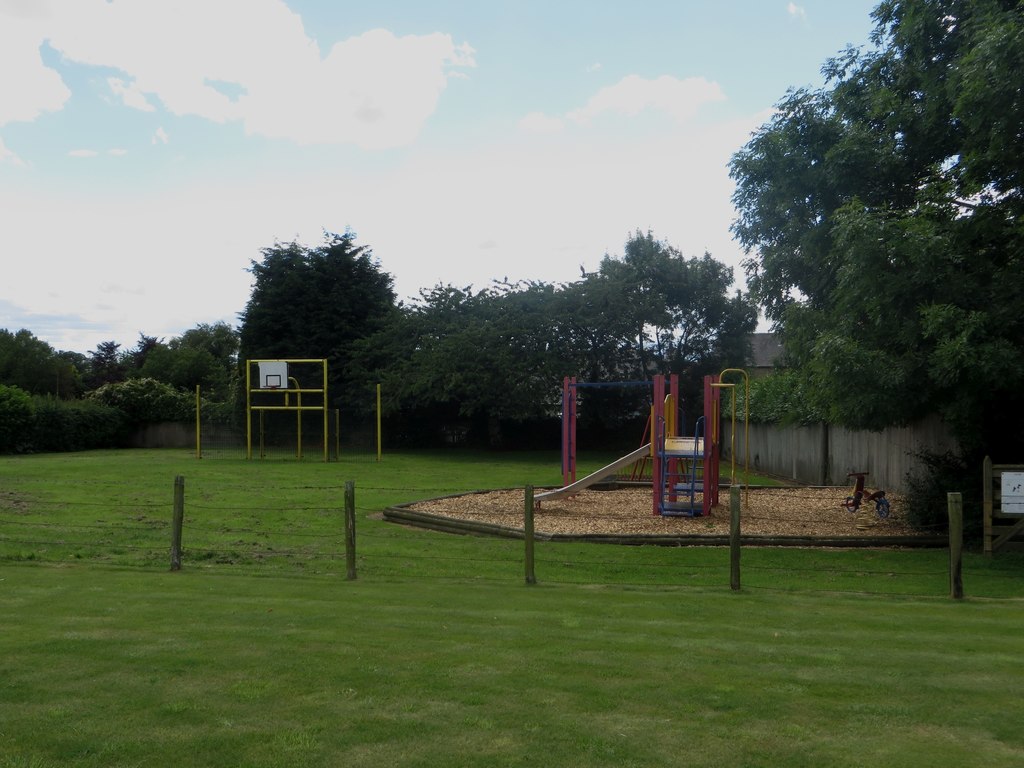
[{"x": 260, "y": 653}]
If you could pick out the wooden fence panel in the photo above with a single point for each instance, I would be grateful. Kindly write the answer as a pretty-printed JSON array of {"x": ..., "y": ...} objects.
[
  {"x": 824, "y": 454},
  {"x": 1002, "y": 530}
]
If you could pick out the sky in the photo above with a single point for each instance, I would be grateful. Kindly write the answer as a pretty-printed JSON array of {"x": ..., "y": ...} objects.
[{"x": 150, "y": 149}]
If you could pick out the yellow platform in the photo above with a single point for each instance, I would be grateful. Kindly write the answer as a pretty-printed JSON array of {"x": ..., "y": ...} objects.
[{"x": 684, "y": 446}]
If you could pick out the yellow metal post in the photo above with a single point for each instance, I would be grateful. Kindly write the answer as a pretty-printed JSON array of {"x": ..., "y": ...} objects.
[
  {"x": 732, "y": 444},
  {"x": 746, "y": 426},
  {"x": 199, "y": 446},
  {"x": 298, "y": 416},
  {"x": 378, "y": 424},
  {"x": 327, "y": 455},
  {"x": 248, "y": 409}
]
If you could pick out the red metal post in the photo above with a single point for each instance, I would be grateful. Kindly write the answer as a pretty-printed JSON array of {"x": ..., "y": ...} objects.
[
  {"x": 657, "y": 444},
  {"x": 568, "y": 430},
  {"x": 712, "y": 441}
]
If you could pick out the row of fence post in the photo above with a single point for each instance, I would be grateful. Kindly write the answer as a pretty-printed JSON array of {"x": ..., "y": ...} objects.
[
  {"x": 956, "y": 538},
  {"x": 954, "y": 509},
  {"x": 178, "y": 519}
]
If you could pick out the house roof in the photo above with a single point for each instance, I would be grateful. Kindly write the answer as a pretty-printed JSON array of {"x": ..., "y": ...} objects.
[{"x": 765, "y": 350}]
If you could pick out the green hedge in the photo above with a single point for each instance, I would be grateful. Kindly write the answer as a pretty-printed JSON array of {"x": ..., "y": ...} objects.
[
  {"x": 76, "y": 425},
  {"x": 15, "y": 419}
]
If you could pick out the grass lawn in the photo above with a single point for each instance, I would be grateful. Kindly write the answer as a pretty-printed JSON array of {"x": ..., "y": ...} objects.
[{"x": 259, "y": 653}]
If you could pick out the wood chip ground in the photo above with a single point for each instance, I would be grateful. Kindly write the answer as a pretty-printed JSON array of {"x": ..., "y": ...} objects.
[{"x": 764, "y": 511}]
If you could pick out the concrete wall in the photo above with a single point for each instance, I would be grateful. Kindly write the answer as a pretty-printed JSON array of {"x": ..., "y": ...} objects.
[
  {"x": 171, "y": 434},
  {"x": 823, "y": 454}
]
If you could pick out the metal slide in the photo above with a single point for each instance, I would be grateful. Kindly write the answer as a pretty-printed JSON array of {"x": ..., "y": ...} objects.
[{"x": 595, "y": 477}]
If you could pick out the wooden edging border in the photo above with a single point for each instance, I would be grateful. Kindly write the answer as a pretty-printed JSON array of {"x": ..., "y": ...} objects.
[{"x": 402, "y": 515}]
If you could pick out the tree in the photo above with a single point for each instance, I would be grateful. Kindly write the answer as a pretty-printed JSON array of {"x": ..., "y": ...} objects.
[
  {"x": 135, "y": 359},
  {"x": 483, "y": 360},
  {"x": 882, "y": 213},
  {"x": 204, "y": 356},
  {"x": 106, "y": 365},
  {"x": 35, "y": 367},
  {"x": 656, "y": 311},
  {"x": 317, "y": 303},
  {"x": 493, "y": 359}
]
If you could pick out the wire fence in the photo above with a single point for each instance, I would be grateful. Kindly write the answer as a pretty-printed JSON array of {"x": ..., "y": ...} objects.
[{"x": 302, "y": 531}]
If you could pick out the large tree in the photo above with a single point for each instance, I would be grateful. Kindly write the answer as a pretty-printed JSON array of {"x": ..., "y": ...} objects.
[
  {"x": 679, "y": 310},
  {"x": 317, "y": 303},
  {"x": 882, "y": 215},
  {"x": 651, "y": 311},
  {"x": 35, "y": 367},
  {"x": 106, "y": 365}
]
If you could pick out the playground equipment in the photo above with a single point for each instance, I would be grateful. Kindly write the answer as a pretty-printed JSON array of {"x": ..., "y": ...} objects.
[
  {"x": 852, "y": 503},
  {"x": 570, "y": 485},
  {"x": 684, "y": 467},
  {"x": 273, "y": 392}
]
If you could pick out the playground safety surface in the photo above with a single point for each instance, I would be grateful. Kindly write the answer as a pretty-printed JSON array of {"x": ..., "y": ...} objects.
[{"x": 797, "y": 514}]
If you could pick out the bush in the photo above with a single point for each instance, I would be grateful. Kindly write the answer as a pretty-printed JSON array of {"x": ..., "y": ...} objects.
[
  {"x": 927, "y": 489},
  {"x": 15, "y": 419},
  {"x": 76, "y": 425},
  {"x": 146, "y": 401}
]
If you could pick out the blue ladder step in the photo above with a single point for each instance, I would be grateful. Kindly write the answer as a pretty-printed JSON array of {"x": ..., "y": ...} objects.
[
  {"x": 695, "y": 487},
  {"x": 668, "y": 509}
]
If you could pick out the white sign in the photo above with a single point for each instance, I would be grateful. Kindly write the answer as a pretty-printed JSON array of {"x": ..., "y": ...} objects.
[{"x": 1013, "y": 493}]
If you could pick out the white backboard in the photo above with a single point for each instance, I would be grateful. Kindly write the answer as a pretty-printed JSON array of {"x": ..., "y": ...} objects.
[{"x": 273, "y": 375}]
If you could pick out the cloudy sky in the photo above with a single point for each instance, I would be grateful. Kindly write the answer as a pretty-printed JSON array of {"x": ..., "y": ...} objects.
[{"x": 150, "y": 148}]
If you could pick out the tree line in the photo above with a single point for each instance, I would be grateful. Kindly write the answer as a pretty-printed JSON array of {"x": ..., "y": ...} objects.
[{"x": 479, "y": 366}]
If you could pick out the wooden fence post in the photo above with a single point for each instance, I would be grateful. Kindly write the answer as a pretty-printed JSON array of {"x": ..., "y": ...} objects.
[
  {"x": 987, "y": 504},
  {"x": 177, "y": 521},
  {"x": 531, "y": 577},
  {"x": 350, "y": 530},
  {"x": 955, "y": 507},
  {"x": 734, "y": 537}
]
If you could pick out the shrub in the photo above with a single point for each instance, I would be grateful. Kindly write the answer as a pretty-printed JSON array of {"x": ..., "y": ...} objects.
[
  {"x": 927, "y": 489},
  {"x": 15, "y": 418},
  {"x": 146, "y": 401},
  {"x": 76, "y": 425}
]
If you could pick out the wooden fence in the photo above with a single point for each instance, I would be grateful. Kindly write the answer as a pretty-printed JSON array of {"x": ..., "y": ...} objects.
[
  {"x": 824, "y": 454},
  {"x": 1004, "y": 522}
]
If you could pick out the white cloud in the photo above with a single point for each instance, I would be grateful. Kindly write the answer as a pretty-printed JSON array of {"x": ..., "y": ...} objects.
[
  {"x": 117, "y": 152},
  {"x": 633, "y": 94},
  {"x": 130, "y": 94},
  {"x": 595, "y": 67},
  {"x": 538, "y": 122},
  {"x": 797, "y": 11},
  {"x": 535, "y": 210},
  {"x": 28, "y": 88},
  {"x": 160, "y": 136},
  {"x": 7, "y": 156},
  {"x": 375, "y": 89},
  {"x": 83, "y": 153}
]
